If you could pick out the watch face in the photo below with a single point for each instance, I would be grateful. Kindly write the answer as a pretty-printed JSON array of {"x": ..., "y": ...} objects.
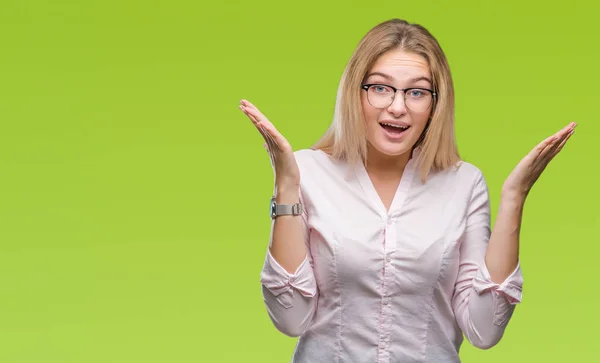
[{"x": 272, "y": 208}]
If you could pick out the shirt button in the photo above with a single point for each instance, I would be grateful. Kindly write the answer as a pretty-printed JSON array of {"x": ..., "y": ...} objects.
[
  {"x": 388, "y": 259},
  {"x": 386, "y": 301}
]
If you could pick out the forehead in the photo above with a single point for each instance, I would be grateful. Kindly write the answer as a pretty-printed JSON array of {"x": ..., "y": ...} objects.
[{"x": 401, "y": 65}]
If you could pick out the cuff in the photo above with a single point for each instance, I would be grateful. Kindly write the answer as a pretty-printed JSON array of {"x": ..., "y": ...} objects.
[
  {"x": 282, "y": 284},
  {"x": 511, "y": 288}
]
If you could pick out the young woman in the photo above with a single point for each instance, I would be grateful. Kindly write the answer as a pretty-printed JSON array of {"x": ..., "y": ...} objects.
[{"x": 381, "y": 249}]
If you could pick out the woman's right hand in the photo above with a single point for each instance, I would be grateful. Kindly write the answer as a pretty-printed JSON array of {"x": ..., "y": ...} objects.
[{"x": 285, "y": 168}]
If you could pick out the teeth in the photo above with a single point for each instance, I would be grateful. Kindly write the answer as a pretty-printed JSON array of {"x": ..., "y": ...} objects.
[{"x": 396, "y": 126}]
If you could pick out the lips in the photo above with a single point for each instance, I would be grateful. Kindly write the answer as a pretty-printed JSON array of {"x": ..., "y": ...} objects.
[{"x": 394, "y": 128}]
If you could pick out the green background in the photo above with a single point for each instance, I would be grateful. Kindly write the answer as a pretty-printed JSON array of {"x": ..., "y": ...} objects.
[{"x": 134, "y": 193}]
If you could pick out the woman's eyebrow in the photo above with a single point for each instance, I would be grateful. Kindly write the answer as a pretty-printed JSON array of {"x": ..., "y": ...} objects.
[
  {"x": 422, "y": 78},
  {"x": 388, "y": 77}
]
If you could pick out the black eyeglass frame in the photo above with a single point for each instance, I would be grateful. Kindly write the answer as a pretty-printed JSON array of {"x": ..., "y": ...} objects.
[{"x": 404, "y": 90}]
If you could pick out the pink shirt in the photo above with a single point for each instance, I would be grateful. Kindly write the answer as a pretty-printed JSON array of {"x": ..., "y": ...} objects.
[{"x": 398, "y": 286}]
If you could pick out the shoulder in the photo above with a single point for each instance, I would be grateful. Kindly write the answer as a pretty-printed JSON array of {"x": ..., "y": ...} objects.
[
  {"x": 462, "y": 177},
  {"x": 467, "y": 170},
  {"x": 310, "y": 158},
  {"x": 471, "y": 176},
  {"x": 305, "y": 154},
  {"x": 317, "y": 168},
  {"x": 309, "y": 153}
]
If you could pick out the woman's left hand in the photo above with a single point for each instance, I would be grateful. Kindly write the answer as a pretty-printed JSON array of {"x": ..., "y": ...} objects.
[{"x": 526, "y": 173}]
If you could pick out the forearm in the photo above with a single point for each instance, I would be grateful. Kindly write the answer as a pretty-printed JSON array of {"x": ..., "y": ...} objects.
[
  {"x": 291, "y": 314},
  {"x": 502, "y": 254},
  {"x": 287, "y": 236}
]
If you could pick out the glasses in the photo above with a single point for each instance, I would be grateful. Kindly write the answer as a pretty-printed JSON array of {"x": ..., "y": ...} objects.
[{"x": 415, "y": 99}]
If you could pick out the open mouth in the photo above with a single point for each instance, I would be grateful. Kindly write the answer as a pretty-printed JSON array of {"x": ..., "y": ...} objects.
[{"x": 394, "y": 129}]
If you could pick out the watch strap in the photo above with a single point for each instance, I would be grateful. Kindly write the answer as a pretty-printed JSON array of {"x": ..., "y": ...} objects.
[{"x": 285, "y": 209}]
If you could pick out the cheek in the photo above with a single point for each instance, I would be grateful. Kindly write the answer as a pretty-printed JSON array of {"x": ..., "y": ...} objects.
[
  {"x": 419, "y": 122},
  {"x": 421, "y": 119},
  {"x": 369, "y": 112}
]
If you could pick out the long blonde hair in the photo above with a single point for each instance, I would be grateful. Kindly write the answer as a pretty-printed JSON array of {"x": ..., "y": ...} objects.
[{"x": 346, "y": 136}]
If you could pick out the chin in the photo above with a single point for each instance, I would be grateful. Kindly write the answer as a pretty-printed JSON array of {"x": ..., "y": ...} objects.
[{"x": 392, "y": 148}]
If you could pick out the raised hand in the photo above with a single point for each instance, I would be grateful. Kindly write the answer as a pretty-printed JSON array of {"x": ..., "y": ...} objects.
[
  {"x": 285, "y": 168},
  {"x": 526, "y": 173}
]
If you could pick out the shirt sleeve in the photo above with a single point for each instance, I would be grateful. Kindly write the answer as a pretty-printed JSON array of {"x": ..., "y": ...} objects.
[
  {"x": 482, "y": 308},
  {"x": 290, "y": 299}
]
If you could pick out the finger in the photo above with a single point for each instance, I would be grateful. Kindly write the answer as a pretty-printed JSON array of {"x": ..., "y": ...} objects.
[
  {"x": 255, "y": 109},
  {"x": 273, "y": 147},
  {"x": 552, "y": 142},
  {"x": 545, "y": 145},
  {"x": 272, "y": 135},
  {"x": 250, "y": 116},
  {"x": 270, "y": 139},
  {"x": 264, "y": 133},
  {"x": 267, "y": 126},
  {"x": 269, "y": 146},
  {"x": 258, "y": 114},
  {"x": 565, "y": 130},
  {"x": 555, "y": 149},
  {"x": 561, "y": 138},
  {"x": 256, "y": 122},
  {"x": 245, "y": 103},
  {"x": 563, "y": 142},
  {"x": 271, "y": 154},
  {"x": 269, "y": 142}
]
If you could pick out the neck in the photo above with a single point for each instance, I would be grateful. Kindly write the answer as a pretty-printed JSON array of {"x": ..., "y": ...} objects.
[{"x": 381, "y": 163}]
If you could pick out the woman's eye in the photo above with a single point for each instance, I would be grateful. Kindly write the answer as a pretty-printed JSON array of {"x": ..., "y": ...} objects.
[{"x": 381, "y": 89}]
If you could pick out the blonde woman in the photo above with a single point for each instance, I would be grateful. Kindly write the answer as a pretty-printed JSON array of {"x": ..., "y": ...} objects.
[{"x": 381, "y": 249}]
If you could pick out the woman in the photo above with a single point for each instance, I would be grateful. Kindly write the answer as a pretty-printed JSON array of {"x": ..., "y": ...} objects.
[{"x": 381, "y": 249}]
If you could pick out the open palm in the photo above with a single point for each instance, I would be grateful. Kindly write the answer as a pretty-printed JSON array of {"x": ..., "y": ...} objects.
[
  {"x": 529, "y": 169},
  {"x": 285, "y": 168}
]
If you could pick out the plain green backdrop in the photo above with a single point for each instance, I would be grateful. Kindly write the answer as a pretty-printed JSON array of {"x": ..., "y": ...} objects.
[{"x": 134, "y": 193}]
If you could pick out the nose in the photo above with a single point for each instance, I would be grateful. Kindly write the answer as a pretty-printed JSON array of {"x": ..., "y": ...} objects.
[{"x": 398, "y": 105}]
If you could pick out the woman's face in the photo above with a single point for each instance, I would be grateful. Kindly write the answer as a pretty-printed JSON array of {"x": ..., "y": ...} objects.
[{"x": 392, "y": 127}]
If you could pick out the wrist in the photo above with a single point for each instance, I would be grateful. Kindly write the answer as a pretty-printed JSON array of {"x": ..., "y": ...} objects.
[
  {"x": 286, "y": 193},
  {"x": 514, "y": 191},
  {"x": 513, "y": 197}
]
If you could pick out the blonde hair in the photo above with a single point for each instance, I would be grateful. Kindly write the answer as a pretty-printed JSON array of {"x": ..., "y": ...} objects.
[{"x": 346, "y": 136}]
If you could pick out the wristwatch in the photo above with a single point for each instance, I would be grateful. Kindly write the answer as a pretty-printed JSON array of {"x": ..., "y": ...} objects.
[{"x": 284, "y": 209}]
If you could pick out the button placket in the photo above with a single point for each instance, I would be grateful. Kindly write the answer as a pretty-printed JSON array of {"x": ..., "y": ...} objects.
[
  {"x": 390, "y": 234},
  {"x": 389, "y": 245}
]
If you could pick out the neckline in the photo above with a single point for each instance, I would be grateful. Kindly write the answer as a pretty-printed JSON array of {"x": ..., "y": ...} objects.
[{"x": 401, "y": 191}]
